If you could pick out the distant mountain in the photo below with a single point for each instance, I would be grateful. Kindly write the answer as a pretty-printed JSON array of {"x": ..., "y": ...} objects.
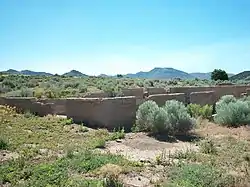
[
  {"x": 241, "y": 76},
  {"x": 103, "y": 75},
  {"x": 26, "y": 72},
  {"x": 75, "y": 73},
  {"x": 156, "y": 73},
  {"x": 11, "y": 71},
  {"x": 161, "y": 73}
]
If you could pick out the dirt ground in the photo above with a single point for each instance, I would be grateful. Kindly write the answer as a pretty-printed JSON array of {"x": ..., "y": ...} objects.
[
  {"x": 146, "y": 149},
  {"x": 141, "y": 147}
]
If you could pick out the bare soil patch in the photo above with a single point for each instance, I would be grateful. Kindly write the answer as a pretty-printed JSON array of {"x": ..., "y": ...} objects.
[
  {"x": 141, "y": 147},
  {"x": 7, "y": 155}
]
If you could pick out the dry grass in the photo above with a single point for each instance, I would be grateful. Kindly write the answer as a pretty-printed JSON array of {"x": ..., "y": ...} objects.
[{"x": 210, "y": 129}]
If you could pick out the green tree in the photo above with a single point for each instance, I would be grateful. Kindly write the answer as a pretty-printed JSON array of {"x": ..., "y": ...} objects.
[
  {"x": 219, "y": 74},
  {"x": 119, "y": 75}
]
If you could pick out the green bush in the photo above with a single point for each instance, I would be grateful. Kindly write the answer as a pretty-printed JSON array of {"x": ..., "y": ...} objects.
[
  {"x": 233, "y": 114},
  {"x": 196, "y": 111},
  {"x": 4, "y": 143},
  {"x": 145, "y": 116},
  {"x": 161, "y": 124},
  {"x": 178, "y": 117},
  {"x": 112, "y": 182},
  {"x": 24, "y": 92},
  {"x": 224, "y": 100},
  {"x": 117, "y": 134},
  {"x": 171, "y": 119}
]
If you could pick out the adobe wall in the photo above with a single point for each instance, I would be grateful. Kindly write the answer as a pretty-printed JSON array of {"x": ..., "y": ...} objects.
[
  {"x": 58, "y": 106},
  {"x": 137, "y": 92},
  {"x": 203, "y": 98},
  {"x": 107, "y": 112},
  {"x": 120, "y": 111},
  {"x": 160, "y": 99},
  {"x": 235, "y": 90},
  {"x": 248, "y": 91},
  {"x": 28, "y": 104},
  {"x": 153, "y": 91},
  {"x": 97, "y": 95}
]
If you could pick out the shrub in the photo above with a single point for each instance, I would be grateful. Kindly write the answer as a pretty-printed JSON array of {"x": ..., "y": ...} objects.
[
  {"x": 50, "y": 94},
  {"x": 145, "y": 116},
  {"x": 171, "y": 119},
  {"x": 207, "y": 146},
  {"x": 27, "y": 92},
  {"x": 83, "y": 89},
  {"x": 206, "y": 111},
  {"x": 112, "y": 182},
  {"x": 196, "y": 111},
  {"x": 160, "y": 124},
  {"x": 233, "y": 114},
  {"x": 67, "y": 121},
  {"x": 117, "y": 134},
  {"x": 24, "y": 92},
  {"x": 16, "y": 93},
  {"x": 224, "y": 100},
  {"x": 99, "y": 143},
  {"x": 4, "y": 144},
  {"x": 178, "y": 117},
  {"x": 39, "y": 92}
]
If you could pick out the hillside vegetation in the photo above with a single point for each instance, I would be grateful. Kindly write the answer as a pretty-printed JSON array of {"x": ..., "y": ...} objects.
[{"x": 65, "y": 86}]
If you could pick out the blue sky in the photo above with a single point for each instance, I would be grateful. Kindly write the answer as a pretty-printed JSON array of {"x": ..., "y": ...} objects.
[{"x": 124, "y": 36}]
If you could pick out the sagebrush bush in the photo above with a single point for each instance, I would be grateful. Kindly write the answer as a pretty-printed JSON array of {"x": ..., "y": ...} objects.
[
  {"x": 171, "y": 119},
  {"x": 196, "y": 111},
  {"x": 178, "y": 117},
  {"x": 233, "y": 114},
  {"x": 160, "y": 123},
  {"x": 145, "y": 115},
  {"x": 224, "y": 100}
]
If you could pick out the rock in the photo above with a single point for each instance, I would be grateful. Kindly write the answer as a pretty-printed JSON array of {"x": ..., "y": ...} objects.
[{"x": 119, "y": 140}]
